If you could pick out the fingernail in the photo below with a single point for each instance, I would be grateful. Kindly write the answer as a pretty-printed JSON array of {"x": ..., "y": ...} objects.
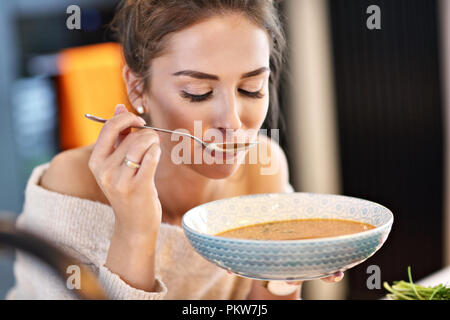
[
  {"x": 119, "y": 109},
  {"x": 142, "y": 121},
  {"x": 339, "y": 277}
]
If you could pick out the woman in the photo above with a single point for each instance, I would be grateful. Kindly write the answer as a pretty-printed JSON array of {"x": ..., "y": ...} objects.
[{"x": 117, "y": 205}]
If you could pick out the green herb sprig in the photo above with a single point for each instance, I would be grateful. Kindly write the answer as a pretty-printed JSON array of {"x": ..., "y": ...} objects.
[{"x": 402, "y": 290}]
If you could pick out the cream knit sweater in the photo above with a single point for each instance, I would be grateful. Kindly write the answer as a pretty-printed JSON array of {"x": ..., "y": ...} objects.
[{"x": 83, "y": 228}]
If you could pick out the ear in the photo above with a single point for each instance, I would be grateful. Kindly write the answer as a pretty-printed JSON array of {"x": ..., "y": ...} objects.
[{"x": 134, "y": 87}]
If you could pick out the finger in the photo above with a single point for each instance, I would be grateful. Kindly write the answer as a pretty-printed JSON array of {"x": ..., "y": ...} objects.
[
  {"x": 136, "y": 153},
  {"x": 134, "y": 147},
  {"x": 149, "y": 164},
  {"x": 294, "y": 283},
  {"x": 111, "y": 131},
  {"x": 121, "y": 109},
  {"x": 336, "y": 277}
]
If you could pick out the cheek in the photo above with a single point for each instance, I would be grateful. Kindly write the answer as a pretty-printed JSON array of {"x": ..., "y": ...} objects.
[
  {"x": 174, "y": 113},
  {"x": 253, "y": 114},
  {"x": 170, "y": 112}
]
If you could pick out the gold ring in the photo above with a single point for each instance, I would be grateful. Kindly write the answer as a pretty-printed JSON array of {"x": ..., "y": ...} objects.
[{"x": 131, "y": 164}]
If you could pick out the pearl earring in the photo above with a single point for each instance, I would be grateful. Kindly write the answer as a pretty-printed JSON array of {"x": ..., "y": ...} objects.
[{"x": 140, "y": 109}]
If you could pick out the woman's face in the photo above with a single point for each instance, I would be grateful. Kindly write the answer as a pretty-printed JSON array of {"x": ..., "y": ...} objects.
[{"x": 212, "y": 81}]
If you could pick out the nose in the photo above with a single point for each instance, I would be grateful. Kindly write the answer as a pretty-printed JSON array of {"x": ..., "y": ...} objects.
[{"x": 228, "y": 114}]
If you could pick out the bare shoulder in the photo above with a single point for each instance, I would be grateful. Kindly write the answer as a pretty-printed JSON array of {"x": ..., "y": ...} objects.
[
  {"x": 69, "y": 174},
  {"x": 270, "y": 173}
]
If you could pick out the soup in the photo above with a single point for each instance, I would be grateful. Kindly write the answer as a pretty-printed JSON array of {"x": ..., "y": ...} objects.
[{"x": 297, "y": 229}]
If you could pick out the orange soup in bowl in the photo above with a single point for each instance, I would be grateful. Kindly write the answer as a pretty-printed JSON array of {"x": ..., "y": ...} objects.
[{"x": 297, "y": 229}]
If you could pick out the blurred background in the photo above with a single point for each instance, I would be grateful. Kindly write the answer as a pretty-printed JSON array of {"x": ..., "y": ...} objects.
[{"x": 365, "y": 113}]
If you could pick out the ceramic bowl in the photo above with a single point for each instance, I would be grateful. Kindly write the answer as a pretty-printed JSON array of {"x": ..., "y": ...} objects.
[{"x": 288, "y": 259}]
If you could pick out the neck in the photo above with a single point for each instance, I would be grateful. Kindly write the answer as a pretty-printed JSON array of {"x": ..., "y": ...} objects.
[{"x": 180, "y": 188}]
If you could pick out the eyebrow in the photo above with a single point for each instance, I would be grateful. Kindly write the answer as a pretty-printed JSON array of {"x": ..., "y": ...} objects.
[{"x": 205, "y": 76}]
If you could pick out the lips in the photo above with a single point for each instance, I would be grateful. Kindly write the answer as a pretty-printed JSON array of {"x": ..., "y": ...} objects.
[{"x": 225, "y": 155}]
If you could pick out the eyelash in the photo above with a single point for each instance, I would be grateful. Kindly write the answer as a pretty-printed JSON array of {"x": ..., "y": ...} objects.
[{"x": 206, "y": 96}]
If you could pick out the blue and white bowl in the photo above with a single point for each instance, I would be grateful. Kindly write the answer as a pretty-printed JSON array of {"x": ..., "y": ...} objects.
[{"x": 288, "y": 259}]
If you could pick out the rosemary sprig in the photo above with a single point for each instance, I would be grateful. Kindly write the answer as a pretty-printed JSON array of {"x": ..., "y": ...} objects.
[{"x": 402, "y": 290}]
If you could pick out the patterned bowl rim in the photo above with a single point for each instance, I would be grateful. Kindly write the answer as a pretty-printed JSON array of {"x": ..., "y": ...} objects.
[{"x": 387, "y": 224}]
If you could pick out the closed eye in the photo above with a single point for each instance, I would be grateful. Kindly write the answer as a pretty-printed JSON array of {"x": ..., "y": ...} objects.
[
  {"x": 204, "y": 97},
  {"x": 256, "y": 95},
  {"x": 196, "y": 98}
]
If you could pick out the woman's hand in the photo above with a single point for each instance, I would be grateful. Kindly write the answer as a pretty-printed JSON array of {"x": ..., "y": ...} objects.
[
  {"x": 287, "y": 290},
  {"x": 131, "y": 193},
  {"x": 336, "y": 277}
]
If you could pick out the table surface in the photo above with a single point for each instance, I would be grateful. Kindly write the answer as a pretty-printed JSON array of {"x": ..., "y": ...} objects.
[{"x": 441, "y": 276}]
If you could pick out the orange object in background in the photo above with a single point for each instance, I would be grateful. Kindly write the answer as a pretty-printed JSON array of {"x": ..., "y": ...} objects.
[{"x": 90, "y": 82}]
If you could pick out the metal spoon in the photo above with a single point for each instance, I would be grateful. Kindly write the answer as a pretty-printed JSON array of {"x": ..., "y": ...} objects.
[{"x": 220, "y": 147}]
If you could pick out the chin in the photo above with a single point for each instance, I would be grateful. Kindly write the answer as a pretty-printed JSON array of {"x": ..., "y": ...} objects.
[
  {"x": 216, "y": 171},
  {"x": 217, "y": 168}
]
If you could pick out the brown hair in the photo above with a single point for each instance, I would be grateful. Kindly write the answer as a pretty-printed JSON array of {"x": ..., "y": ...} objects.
[{"x": 141, "y": 26}]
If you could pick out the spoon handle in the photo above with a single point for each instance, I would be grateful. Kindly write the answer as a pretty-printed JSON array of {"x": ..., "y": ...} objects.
[{"x": 98, "y": 119}]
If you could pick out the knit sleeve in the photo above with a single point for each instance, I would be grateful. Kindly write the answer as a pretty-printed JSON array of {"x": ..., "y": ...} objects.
[{"x": 117, "y": 289}]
